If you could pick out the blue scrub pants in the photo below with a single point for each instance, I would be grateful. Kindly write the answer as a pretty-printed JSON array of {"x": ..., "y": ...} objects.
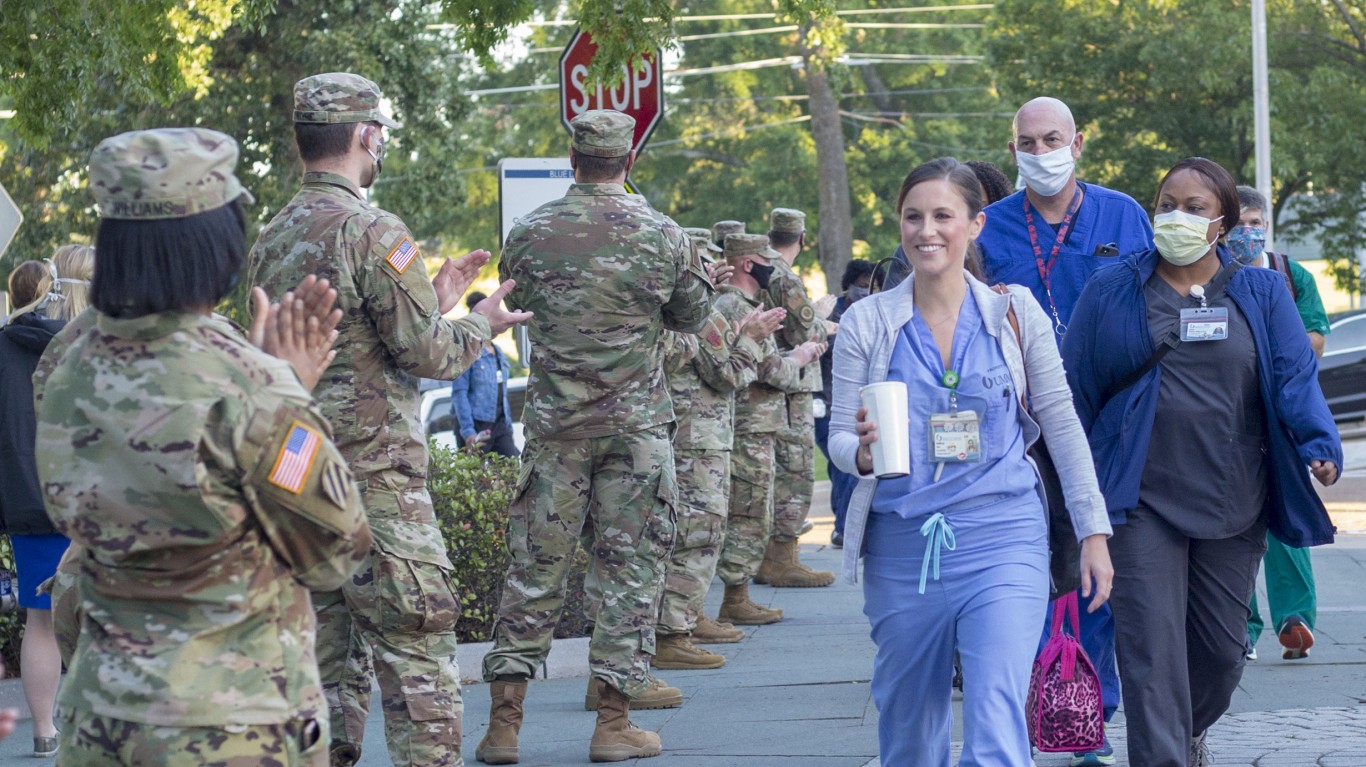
[{"x": 988, "y": 599}]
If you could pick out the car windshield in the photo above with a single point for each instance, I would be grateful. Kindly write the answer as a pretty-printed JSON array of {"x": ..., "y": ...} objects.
[{"x": 1346, "y": 334}]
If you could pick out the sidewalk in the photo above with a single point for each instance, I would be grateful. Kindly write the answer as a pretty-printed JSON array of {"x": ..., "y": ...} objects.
[{"x": 796, "y": 694}]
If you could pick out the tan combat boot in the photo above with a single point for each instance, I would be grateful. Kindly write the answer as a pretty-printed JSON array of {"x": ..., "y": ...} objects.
[
  {"x": 660, "y": 695},
  {"x": 788, "y": 571},
  {"x": 499, "y": 745},
  {"x": 709, "y": 631},
  {"x": 675, "y": 651},
  {"x": 736, "y": 608},
  {"x": 615, "y": 739},
  {"x": 770, "y": 567}
]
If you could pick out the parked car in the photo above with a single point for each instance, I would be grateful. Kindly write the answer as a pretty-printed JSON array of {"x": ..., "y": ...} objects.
[
  {"x": 1342, "y": 370},
  {"x": 435, "y": 411}
]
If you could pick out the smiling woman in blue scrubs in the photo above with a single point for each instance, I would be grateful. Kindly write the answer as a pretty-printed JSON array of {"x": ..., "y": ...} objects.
[{"x": 956, "y": 552}]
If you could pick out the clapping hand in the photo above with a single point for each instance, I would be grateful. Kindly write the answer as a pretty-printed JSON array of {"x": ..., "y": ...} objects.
[
  {"x": 491, "y": 308},
  {"x": 300, "y": 330},
  {"x": 455, "y": 277}
]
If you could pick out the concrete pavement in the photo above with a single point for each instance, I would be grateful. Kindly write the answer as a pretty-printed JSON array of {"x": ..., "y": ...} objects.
[{"x": 796, "y": 694}]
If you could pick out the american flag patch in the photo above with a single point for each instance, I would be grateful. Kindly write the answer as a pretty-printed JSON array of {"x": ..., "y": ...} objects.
[
  {"x": 403, "y": 255},
  {"x": 295, "y": 458}
]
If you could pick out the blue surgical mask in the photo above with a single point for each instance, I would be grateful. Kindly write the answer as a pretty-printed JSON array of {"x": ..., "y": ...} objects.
[{"x": 1247, "y": 243}]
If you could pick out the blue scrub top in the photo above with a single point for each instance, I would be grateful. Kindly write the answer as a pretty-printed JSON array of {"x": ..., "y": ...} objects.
[
  {"x": 984, "y": 386},
  {"x": 1105, "y": 217}
]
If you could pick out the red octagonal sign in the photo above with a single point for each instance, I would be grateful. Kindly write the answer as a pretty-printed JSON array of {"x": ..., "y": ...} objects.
[{"x": 640, "y": 94}]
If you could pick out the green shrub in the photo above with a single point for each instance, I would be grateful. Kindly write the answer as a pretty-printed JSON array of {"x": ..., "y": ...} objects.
[{"x": 471, "y": 494}]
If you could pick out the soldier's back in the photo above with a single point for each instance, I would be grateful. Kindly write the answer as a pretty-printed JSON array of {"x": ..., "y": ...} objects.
[{"x": 596, "y": 267}]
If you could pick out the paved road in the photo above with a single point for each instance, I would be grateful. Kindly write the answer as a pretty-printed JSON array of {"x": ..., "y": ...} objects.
[{"x": 795, "y": 694}]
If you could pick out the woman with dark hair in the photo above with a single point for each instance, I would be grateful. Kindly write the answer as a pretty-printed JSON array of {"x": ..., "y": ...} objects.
[
  {"x": 957, "y": 551},
  {"x": 854, "y": 286},
  {"x": 195, "y": 477},
  {"x": 1199, "y": 392},
  {"x": 993, "y": 185}
]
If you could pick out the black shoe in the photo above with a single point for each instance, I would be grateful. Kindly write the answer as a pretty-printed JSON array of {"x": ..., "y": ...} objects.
[{"x": 837, "y": 539}]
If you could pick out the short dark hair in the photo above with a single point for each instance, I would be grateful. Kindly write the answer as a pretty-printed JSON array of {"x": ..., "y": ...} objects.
[
  {"x": 26, "y": 283},
  {"x": 784, "y": 239},
  {"x": 323, "y": 141},
  {"x": 854, "y": 270},
  {"x": 168, "y": 265},
  {"x": 474, "y": 298},
  {"x": 591, "y": 169},
  {"x": 1220, "y": 181},
  {"x": 991, "y": 178},
  {"x": 1250, "y": 199}
]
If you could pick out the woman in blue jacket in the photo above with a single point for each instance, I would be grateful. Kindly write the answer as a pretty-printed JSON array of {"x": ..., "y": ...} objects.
[{"x": 1198, "y": 451}]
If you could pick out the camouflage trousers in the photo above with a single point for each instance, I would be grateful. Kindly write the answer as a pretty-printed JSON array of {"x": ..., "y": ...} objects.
[
  {"x": 396, "y": 618},
  {"x": 703, "y": 481},
  {"x": 622, "y": 485},
  {"x": 88, "y": 740},
  {"x": 795, "y": 477},
  {"x": 750, "y": 520}
]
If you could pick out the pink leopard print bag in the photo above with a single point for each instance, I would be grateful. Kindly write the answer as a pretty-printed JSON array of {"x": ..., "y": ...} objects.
[{"x": 1063, "y": 709}]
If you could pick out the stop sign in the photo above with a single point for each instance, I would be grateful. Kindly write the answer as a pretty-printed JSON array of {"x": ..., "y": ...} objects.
[{"x": 640, "y": 93}]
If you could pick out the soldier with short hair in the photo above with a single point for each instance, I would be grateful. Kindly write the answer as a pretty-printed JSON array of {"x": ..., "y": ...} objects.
[
  {"x": 704, "y": 370},
  {"x": 605, "y": 275},
  {"x": 197, "y": 480},
  {"x": 760, "y": 413},
  {"x": 795, "y": 446},
  {"x": 401, "y": 604}
]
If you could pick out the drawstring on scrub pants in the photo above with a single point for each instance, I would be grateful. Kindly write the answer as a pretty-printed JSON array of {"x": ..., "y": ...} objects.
[{"x": 938, "y": 536}]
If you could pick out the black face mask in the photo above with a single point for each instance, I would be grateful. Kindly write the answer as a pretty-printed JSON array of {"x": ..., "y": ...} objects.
[{"x": 761, "y": 274}]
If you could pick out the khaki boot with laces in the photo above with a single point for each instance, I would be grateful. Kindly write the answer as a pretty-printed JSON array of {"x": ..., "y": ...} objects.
[
  {"x": 737, "y": 608},
  {"x": 676, "y": 651}
]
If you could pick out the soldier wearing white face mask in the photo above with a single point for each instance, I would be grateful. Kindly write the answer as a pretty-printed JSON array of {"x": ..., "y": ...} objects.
[{"x": 1049, "y": 237}]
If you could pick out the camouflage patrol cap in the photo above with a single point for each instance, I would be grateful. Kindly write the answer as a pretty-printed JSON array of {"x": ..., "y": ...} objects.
[
  {"x": 603, "y": 133},
  {"x": 164, "y": 173},
  {"x": 339, "y": 97},
  {"x": 720, "y": 229},
  {"x": 738, "y": 245},
  {"x": 787, "y": 220},
  {"x": 701, "y": 236}
]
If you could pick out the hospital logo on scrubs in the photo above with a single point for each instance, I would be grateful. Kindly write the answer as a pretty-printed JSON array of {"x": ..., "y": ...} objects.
[
  {"x": 403, "y": 255},
  {"x": 295, "y": 458}
]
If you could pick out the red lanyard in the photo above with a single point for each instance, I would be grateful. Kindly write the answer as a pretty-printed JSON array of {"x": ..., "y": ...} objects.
[{"x": 1046, "y": 270}]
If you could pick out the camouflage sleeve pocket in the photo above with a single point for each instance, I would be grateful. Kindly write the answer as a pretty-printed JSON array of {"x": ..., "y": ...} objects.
[
  {"x": 299, "y": 468},
  {"x": 395, "y": 256}
]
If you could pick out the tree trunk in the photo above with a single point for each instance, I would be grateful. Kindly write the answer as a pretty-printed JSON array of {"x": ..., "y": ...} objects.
[{"x": 836, "y": 242}]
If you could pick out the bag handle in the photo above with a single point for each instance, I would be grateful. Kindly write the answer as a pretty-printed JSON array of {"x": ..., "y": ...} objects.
[
  {"x": 1001, "y": 288},
  {"x": 1066, "y": 606}
]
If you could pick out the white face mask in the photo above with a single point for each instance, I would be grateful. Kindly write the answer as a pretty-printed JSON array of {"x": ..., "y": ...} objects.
[
  {"x": 1180, "y": 237},
  {"x": 1046, "y": 173}
]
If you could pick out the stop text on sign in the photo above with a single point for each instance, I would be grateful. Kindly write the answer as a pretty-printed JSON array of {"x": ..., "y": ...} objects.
[{"x": 640, "y": 93}]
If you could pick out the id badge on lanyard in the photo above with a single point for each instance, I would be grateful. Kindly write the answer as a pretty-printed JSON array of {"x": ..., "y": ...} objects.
[
  {"x": 1206, "y": 323},
  {"x": 955, "y": 436}
]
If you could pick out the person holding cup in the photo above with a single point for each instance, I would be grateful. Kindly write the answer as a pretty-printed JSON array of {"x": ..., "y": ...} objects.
[{"x": 956, "y": 549}]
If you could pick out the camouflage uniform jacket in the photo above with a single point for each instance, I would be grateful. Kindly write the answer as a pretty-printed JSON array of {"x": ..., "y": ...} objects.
[
  {"x": 605, "y": 274},
  {"x": 390, "y": 336},
  {"x": 785, "y": 289},
  {"x": 762, "y": 406},
  {"x": 207, "y": 497},
  {"x": 704, "y": 370}
]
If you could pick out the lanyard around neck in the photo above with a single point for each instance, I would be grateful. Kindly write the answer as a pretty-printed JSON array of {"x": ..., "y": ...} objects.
[{"x": 1046, "y": 270}]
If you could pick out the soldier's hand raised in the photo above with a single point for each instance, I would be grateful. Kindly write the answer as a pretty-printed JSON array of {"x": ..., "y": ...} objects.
[
  {"x": 760, "y": 324},
  {"x": 491, "y": 308},
  {"x": 300, "y": 329},
  {"x": 455, "y": 277},
  {"x": 808, "y": 352},
  {"x": 720, "y": 272}
]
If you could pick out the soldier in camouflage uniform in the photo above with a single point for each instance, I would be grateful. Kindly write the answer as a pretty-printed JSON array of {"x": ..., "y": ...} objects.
[
  {"x": 704, "y": 370},
  {"x": 760, "y": 413},
  {"x": 198, "y": 480},
  {"x": 606, "y": 275},
  {"x": 720, "y": 229},
  {"x": 401, "y": 602},
  {"x": 795, "y": 446}
]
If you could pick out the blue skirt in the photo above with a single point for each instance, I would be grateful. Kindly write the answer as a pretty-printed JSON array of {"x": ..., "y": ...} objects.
[{"x": 36, "y": 558}]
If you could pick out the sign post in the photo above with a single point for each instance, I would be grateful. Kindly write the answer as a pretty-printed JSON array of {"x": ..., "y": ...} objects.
[
  {"x": 10, "y": 219},
  {"x": 640, "y": 93}
]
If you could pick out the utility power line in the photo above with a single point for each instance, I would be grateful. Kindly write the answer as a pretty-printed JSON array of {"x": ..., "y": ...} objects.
[{"x": 751, "y": 16}]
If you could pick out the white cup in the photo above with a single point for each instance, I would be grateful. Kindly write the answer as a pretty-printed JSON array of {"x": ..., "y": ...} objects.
[{"x": 886, "y": 403}]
